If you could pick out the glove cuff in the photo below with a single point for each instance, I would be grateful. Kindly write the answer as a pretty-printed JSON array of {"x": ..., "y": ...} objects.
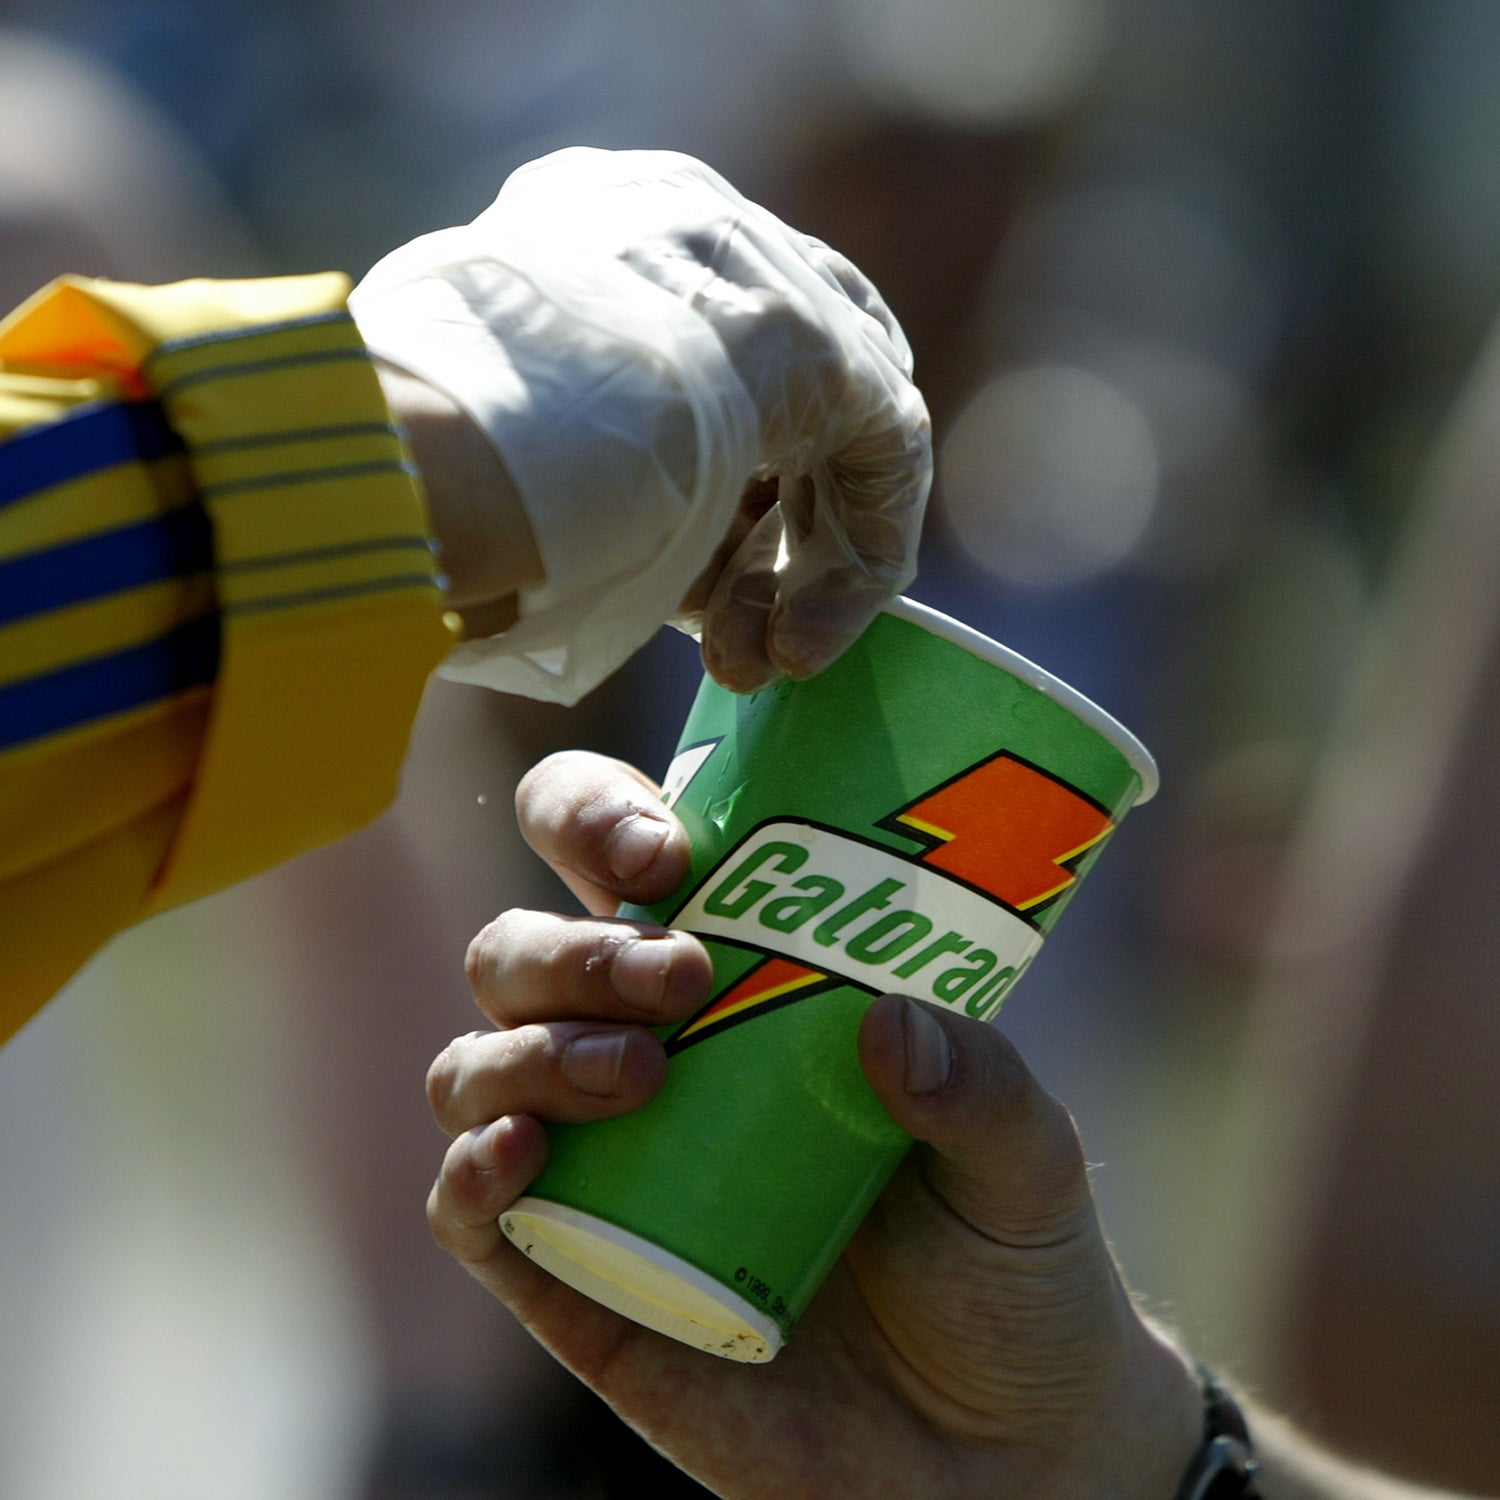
[{"x": 617, "y": 414}]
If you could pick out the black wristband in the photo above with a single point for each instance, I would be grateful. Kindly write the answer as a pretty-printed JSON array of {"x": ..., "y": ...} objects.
[{"x": 1224, "y": 1468}]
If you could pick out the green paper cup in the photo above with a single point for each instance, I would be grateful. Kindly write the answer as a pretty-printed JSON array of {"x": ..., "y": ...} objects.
[{"x": 913, "y": 819}]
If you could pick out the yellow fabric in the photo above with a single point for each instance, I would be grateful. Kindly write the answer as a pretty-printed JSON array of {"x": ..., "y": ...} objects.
[
  {"x": 132, "y": 763},
  {"x": 80, "y": 328},
  {"x": 59, "y": 914},
  {"x": 322, "y": 588}
]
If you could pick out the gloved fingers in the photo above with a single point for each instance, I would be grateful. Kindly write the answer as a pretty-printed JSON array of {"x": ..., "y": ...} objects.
[
  {"x": 736, "y": 619},
  {"x": 813, "y": 573},
  {"x": 797, "y": 495},
  {"x": 862, "y": 292},
  {"x": 871, "y": 497},
  {"x": 757, "y": 498},
  {"x": 846, "y": 414},
  {"x": 636, "y": 340},
  {"x": 821, "y": 611},
  {"x": 849, "y": 552},
  {"x": 812, "y": 629}
]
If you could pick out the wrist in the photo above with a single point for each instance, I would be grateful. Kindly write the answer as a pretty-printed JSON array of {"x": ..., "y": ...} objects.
[
  {"x": 1166, "y": 1421},
  {"x": 1225, "y": 1466},
  {"x": 1148, "y": 1427},
  {"x": 488, "y": 550}
]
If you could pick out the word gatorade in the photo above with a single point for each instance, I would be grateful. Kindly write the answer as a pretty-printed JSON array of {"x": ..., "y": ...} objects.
[{"x": 937, "y": 925}]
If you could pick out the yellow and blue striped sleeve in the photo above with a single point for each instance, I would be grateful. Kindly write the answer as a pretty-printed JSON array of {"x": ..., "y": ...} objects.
[{"x": 218, "y": 602}]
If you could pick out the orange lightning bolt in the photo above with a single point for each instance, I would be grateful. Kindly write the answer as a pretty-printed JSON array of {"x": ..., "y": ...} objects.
[
  {"x": 769, "y": 985},
  {"x": 1006, "y": 828}
]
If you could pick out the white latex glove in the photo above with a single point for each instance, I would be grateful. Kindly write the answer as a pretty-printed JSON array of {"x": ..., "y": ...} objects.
[{"x": 640, "y": 343}]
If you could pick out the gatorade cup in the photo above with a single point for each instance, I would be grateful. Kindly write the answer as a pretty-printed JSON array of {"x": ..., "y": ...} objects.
[{"x": 915, "y": 819}]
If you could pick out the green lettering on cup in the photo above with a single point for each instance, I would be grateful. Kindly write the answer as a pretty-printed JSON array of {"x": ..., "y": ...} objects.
[
  {"x": 893, "y": 934},
  {"x": 950, "y": 942},
  {"x": 873, "y": 899},
  {"x": 725, "y": 901},
  {"x": 979, "y": 1004},
  {"x": 788, "y": 913},
  {"x": 956, "y": 983}
]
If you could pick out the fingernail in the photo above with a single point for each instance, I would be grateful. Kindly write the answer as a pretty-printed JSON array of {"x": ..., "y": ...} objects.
[
  {"x": 633, "y": 843},
  {"x": 929, "y": 1055},
  {"x": 592, "y": 1063},
  {"x": 638, "y": 972}
]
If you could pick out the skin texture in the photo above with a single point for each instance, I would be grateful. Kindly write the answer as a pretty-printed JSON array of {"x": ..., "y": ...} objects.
[{"x": 975, "y": 1339}]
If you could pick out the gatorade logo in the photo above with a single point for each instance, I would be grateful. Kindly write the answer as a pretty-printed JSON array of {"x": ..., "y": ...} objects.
[{"x": 1002, "y": 840}]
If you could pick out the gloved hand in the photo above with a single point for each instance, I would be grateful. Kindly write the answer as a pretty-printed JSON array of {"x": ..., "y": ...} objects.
[{"x": 708, "y": 416}]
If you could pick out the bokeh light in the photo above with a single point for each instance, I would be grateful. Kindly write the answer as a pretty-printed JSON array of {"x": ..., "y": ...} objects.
[
  {"x": 1050, "y": 475},
  {"x": 976, "y": 61}
]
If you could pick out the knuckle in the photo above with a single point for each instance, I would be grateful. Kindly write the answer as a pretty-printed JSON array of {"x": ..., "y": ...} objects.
[
  {"x": 534, "y": 790},
  {"x": 443, "y": 1196},
  {"x": 597, "y": 948},
  {"x": 585, "y": 822},
  {"x": 437, "y": 1221},
  {"x": 443, "y": 1075},
  {"x": 488, "y": 953},
  {"x": 440, "y": 1082},
  {"x": 1024, "y": 1109},
  {"x": 440, "y": 1225},
  {"x": 1072, "y": 1165},
  {"x": 475, "y": 961}
]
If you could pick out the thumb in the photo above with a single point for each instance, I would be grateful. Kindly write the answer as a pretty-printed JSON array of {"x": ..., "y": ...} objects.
[{"x": 1005, "y": 1154}]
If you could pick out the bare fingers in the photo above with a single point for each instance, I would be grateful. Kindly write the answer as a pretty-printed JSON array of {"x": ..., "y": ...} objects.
[
  {"x": 537, "y": 966},
  {"x": 483, "y": 1173},
  {"x": 572, "y": 998},
  {"x": 567, "y": 1071},
  {"x": 602, "y": 826}
]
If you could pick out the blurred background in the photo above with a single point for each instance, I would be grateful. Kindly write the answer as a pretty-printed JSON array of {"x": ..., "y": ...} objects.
[{"x": 1201, "y": 298}]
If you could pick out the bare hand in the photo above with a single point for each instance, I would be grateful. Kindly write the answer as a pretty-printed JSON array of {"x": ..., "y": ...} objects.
[{"x": 976, "y": 1338}]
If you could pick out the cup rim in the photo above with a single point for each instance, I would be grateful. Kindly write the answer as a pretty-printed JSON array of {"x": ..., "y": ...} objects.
[{"x": 1084, "y": 709}]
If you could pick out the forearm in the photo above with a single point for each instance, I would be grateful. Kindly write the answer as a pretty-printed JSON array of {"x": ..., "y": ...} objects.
[
  {"x": 1294, "y": 1467},
  {"x": 1162, "y": 1401}
]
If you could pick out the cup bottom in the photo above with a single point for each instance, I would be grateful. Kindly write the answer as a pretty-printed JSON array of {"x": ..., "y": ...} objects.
[{"x": 640, "y": 1280}]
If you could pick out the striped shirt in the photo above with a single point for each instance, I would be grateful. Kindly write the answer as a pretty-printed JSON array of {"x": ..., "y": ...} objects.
[{"x": 218, "y": 602}]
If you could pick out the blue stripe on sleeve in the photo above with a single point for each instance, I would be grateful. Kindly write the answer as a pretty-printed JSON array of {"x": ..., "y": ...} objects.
[
  {"x": 174, "y": 545},
  {"x": 73, "y": 696},
  {"x": 89, "y": 438}
]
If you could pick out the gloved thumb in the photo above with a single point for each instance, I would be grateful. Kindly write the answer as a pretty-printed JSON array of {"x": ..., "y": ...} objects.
[{"x": 1005, "y": 1154}]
